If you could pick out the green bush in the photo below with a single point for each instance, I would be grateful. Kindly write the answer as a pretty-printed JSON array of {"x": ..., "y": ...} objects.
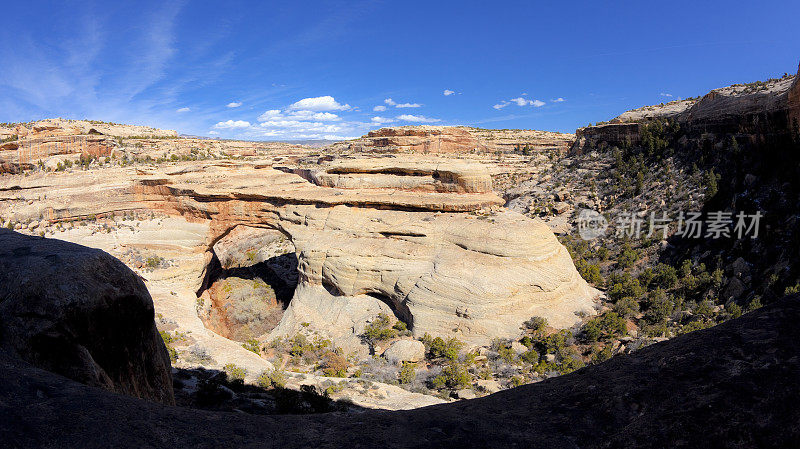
[
  {"x": 659, "y": 307},
  {"x": 666, "y": 276},
  {"x": 622, "y": 285},
  {"x": 252, "y": 345},
  {"x": 235, "y": 373},
  {"x": 536, "y": 325},
  {"x": 272, "y": 379},
  {"x": 440, "y": 348},
  {"x": 503, "y": 349},
  {"x": 454, "y": 376},
  {"x": 380, "y": 329},
  {"x": 407, "y": 373},
  {"x": 604, "y": 327},
  {"x": 628, "y": 257}
]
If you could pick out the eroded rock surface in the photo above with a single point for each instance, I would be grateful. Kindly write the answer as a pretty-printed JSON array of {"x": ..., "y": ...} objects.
[
  {"x": 456, "y": 140},
  {"x": 446, "y": 263}
]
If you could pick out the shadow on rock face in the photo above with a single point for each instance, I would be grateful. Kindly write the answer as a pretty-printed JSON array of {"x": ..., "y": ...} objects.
[{"x": 81, "y": 313}]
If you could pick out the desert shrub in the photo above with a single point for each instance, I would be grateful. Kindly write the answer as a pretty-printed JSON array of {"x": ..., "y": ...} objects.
[
  {"x": 704, "y": 308},
  {"x": 659, "y": 307},
  {"x": 554, "y": 343},
  {"x": 173, "y": 354},
  {"x": 531, "y": 357},
  {"x": 536, "y": 325},
  {"x": 334, "y": 365},
  {"x": 380, "y": 329},
  {"x": 235, "y": 373},
  {"x": 591, "y": 273},
  {"x": 503, "y": 349},
  {"x": 626, "y": 307},
  {"x": 407, "y": 373},
  {"x": 604, "y": 327},
  {"x": 666, "y": 276},
  {"x": 441, "y": 348},
  {"x": 622, "y": 285},
  {"x": 628, "y": 257},
  {"x": 453, "y": 376},
  {"x": 601, "y": 355},
  {"x": 693, "y": 326},
  {"x": 154, "y": 262},
  {"x": 272, "y": 379},
  {"x": 253, "y": 345}
]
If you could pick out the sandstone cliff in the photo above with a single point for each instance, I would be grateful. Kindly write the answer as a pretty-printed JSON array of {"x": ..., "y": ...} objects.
[
  {"x": 456, "y": 139},
  {"x": 753, "y": 113}
]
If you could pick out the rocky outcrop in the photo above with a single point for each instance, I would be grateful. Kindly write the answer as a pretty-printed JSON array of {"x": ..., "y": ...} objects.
[
  {"x": 754, "y": 113},
  {"x": 64, "y": 127},
  {"x": 455, "y": 139},
  {"x": 80, "y": 313},
  {"x": 446, "y": 263},
  {"x": 730, "y": 386},
  {"x": 440, "y": 252}
]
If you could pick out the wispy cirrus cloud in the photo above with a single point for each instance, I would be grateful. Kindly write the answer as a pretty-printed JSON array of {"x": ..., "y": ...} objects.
[{"x": 417, "y": 118}]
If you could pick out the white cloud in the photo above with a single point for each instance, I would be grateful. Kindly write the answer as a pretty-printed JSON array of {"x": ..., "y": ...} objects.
[
  {"x": 448, "y": 92},
  {"x": 183, "y": 110},
  {"x": 310, "y": 115},
  {"x": 379, "y": 108},
  {"x": 213, "y": 133},
  {"x": 391, "y": 102},
  {"x": 501, "y": 105},
  {"x": 558, "y": 100},
  {"x": 381, "y": 120},
  {"x": 232, "y": 124},
  {"x": 519, "y": 101},
  {"x": 318, "y": 104},
  {"x": 272, "y": 113},
  {"x": 306, "y": 119},
  {"x": 417, "y": 118},
  {"x": 663, "y": 94},
  {"x": 233, "y": 104}
]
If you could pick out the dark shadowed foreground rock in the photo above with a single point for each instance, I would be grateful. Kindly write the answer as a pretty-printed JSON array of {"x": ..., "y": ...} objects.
[
  {"x": 81, "y": 313},
  {"x": 734, "y": 385}
]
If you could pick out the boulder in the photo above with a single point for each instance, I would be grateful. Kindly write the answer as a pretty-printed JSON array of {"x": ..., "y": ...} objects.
[
  {"x": 466, "y": 393},
  {"x": 518, "y": 347},
  {"x": 405, "y": 351},
  {"x": 80, "y": 313}
]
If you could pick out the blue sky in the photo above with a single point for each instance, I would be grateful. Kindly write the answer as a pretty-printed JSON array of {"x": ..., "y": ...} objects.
[{"x": 308, "y": 70}]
